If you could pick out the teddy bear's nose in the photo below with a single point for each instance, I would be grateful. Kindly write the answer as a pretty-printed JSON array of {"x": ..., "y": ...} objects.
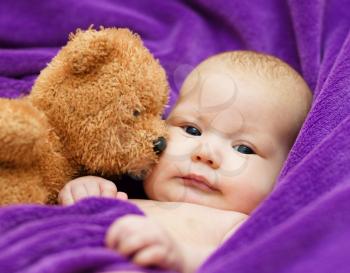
[{"x": 159, "y": 145}]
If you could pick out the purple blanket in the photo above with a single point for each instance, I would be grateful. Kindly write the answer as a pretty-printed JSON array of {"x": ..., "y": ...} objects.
[{"x": 302, "y": 227}]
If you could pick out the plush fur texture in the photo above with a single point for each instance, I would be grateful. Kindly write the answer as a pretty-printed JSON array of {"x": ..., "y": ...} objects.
[{"x": 95, "y": 109}]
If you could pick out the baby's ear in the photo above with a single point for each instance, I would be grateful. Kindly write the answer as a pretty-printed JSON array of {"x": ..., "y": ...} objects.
[{"x": 86, "y": 51}]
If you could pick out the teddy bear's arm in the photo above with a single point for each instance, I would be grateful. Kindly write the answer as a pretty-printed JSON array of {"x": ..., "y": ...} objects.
[{"x": 22, "y": 132}]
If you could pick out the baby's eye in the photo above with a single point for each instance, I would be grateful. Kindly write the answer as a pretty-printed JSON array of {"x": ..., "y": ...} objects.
[
  {"x": 192, "y": 130},
  {"x": 243, "y": 149}
]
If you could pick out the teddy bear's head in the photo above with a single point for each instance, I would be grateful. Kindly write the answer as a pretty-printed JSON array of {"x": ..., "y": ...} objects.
[{"x": 104, "y": 94}]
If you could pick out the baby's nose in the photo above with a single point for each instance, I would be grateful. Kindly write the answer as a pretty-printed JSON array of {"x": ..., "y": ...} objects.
[{"x": 204, "y": 158}]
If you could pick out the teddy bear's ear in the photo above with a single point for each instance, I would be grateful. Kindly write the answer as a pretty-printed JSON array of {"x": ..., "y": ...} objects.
[{"x": 86, "y": 51}]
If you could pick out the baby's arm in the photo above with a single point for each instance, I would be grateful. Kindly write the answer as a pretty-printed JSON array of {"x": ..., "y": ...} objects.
[
  {"x": 150, "y": 245},
  {"x": 87, "y": 186}
]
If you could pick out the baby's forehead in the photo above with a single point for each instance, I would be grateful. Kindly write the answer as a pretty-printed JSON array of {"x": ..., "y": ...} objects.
[
  {"x": 252, "y": 62},
  {"x": 225, "y": 74},
  {"x": 252, "y": 65},
  {"x": 253, "y": 76}
]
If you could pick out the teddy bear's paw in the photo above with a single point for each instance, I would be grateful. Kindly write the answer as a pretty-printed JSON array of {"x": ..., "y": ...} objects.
[
  {"x": 22, "y": 132},
  {"x": 21, "y": 186}
]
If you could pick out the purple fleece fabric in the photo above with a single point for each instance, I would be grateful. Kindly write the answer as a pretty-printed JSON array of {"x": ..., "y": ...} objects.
[{"x": 302, "y": 227}]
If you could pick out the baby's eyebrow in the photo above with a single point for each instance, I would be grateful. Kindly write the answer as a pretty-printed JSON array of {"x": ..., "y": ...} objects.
[
  {"x": 264, "y": 142},
  {"x": 249, "y": 129},
  {"x": 261, "y": 140}
]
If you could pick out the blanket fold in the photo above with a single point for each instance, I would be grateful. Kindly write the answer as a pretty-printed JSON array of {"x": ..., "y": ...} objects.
[{"x": 57, "y": 239}]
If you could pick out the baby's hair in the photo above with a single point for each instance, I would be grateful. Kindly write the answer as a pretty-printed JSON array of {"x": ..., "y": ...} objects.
[{"x": 263, "y": 64}]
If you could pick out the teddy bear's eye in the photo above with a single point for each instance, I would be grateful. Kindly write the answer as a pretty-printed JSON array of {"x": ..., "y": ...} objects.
[{"x": 136, "y": 113}]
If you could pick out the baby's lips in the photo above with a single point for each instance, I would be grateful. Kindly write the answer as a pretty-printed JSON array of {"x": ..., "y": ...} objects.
[{"x": 159, "y": 145}]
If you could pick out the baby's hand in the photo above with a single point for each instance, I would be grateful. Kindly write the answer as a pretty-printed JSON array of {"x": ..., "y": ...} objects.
[
  {"x": 87, "y": 186},
  {"x": 145, "y": 241}
]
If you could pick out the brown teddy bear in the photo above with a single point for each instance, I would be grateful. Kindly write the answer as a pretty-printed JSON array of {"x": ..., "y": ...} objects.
[{"x": 95, "y": 109}]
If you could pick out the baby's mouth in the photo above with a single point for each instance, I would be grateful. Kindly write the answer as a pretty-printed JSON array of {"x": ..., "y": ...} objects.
[{"x": 197, "y": 181}]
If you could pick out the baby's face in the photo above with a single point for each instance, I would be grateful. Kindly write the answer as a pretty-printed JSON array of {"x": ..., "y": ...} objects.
[{"x": 230, "y": 133}]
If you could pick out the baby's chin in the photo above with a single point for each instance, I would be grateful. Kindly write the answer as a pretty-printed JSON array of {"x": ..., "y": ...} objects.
[
  {"x": 185, "y": 195},
  {"x": 174, "y": 191}
]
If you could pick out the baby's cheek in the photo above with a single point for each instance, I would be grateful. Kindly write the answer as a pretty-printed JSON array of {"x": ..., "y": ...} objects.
[
  {"x": 180, "y": 144},
  {"x": 156, "y": 180},
  {"x": 176, "y": 150},
  {"x": 241, "y": 191},
  {"x": 255, "y": 193},
  {"x": 234, "y": 165}
]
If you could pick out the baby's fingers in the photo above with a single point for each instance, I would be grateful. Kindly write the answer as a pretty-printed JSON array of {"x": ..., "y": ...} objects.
[
  {"x": 131, "y": 245},
  {"x": 65, "y": 196},
  {"x": 122, "y": 195},
  {"x": 123, "y": 229},
  {"x": 92, "y": 189},
  {"x": 156, "y": 255},
  {"x": 79, "y": 191},
  {"x": 108, "y": 189}
]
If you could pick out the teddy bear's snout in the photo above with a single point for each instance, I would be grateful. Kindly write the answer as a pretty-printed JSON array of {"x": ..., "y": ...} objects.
[{"x": 159, "y": 145}]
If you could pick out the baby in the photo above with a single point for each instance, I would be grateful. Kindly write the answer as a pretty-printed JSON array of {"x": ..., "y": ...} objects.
[{"x": 236, "y": 119}]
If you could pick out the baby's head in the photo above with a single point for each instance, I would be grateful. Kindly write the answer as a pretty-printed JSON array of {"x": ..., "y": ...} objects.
[{"x": 235, "y": 121}]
